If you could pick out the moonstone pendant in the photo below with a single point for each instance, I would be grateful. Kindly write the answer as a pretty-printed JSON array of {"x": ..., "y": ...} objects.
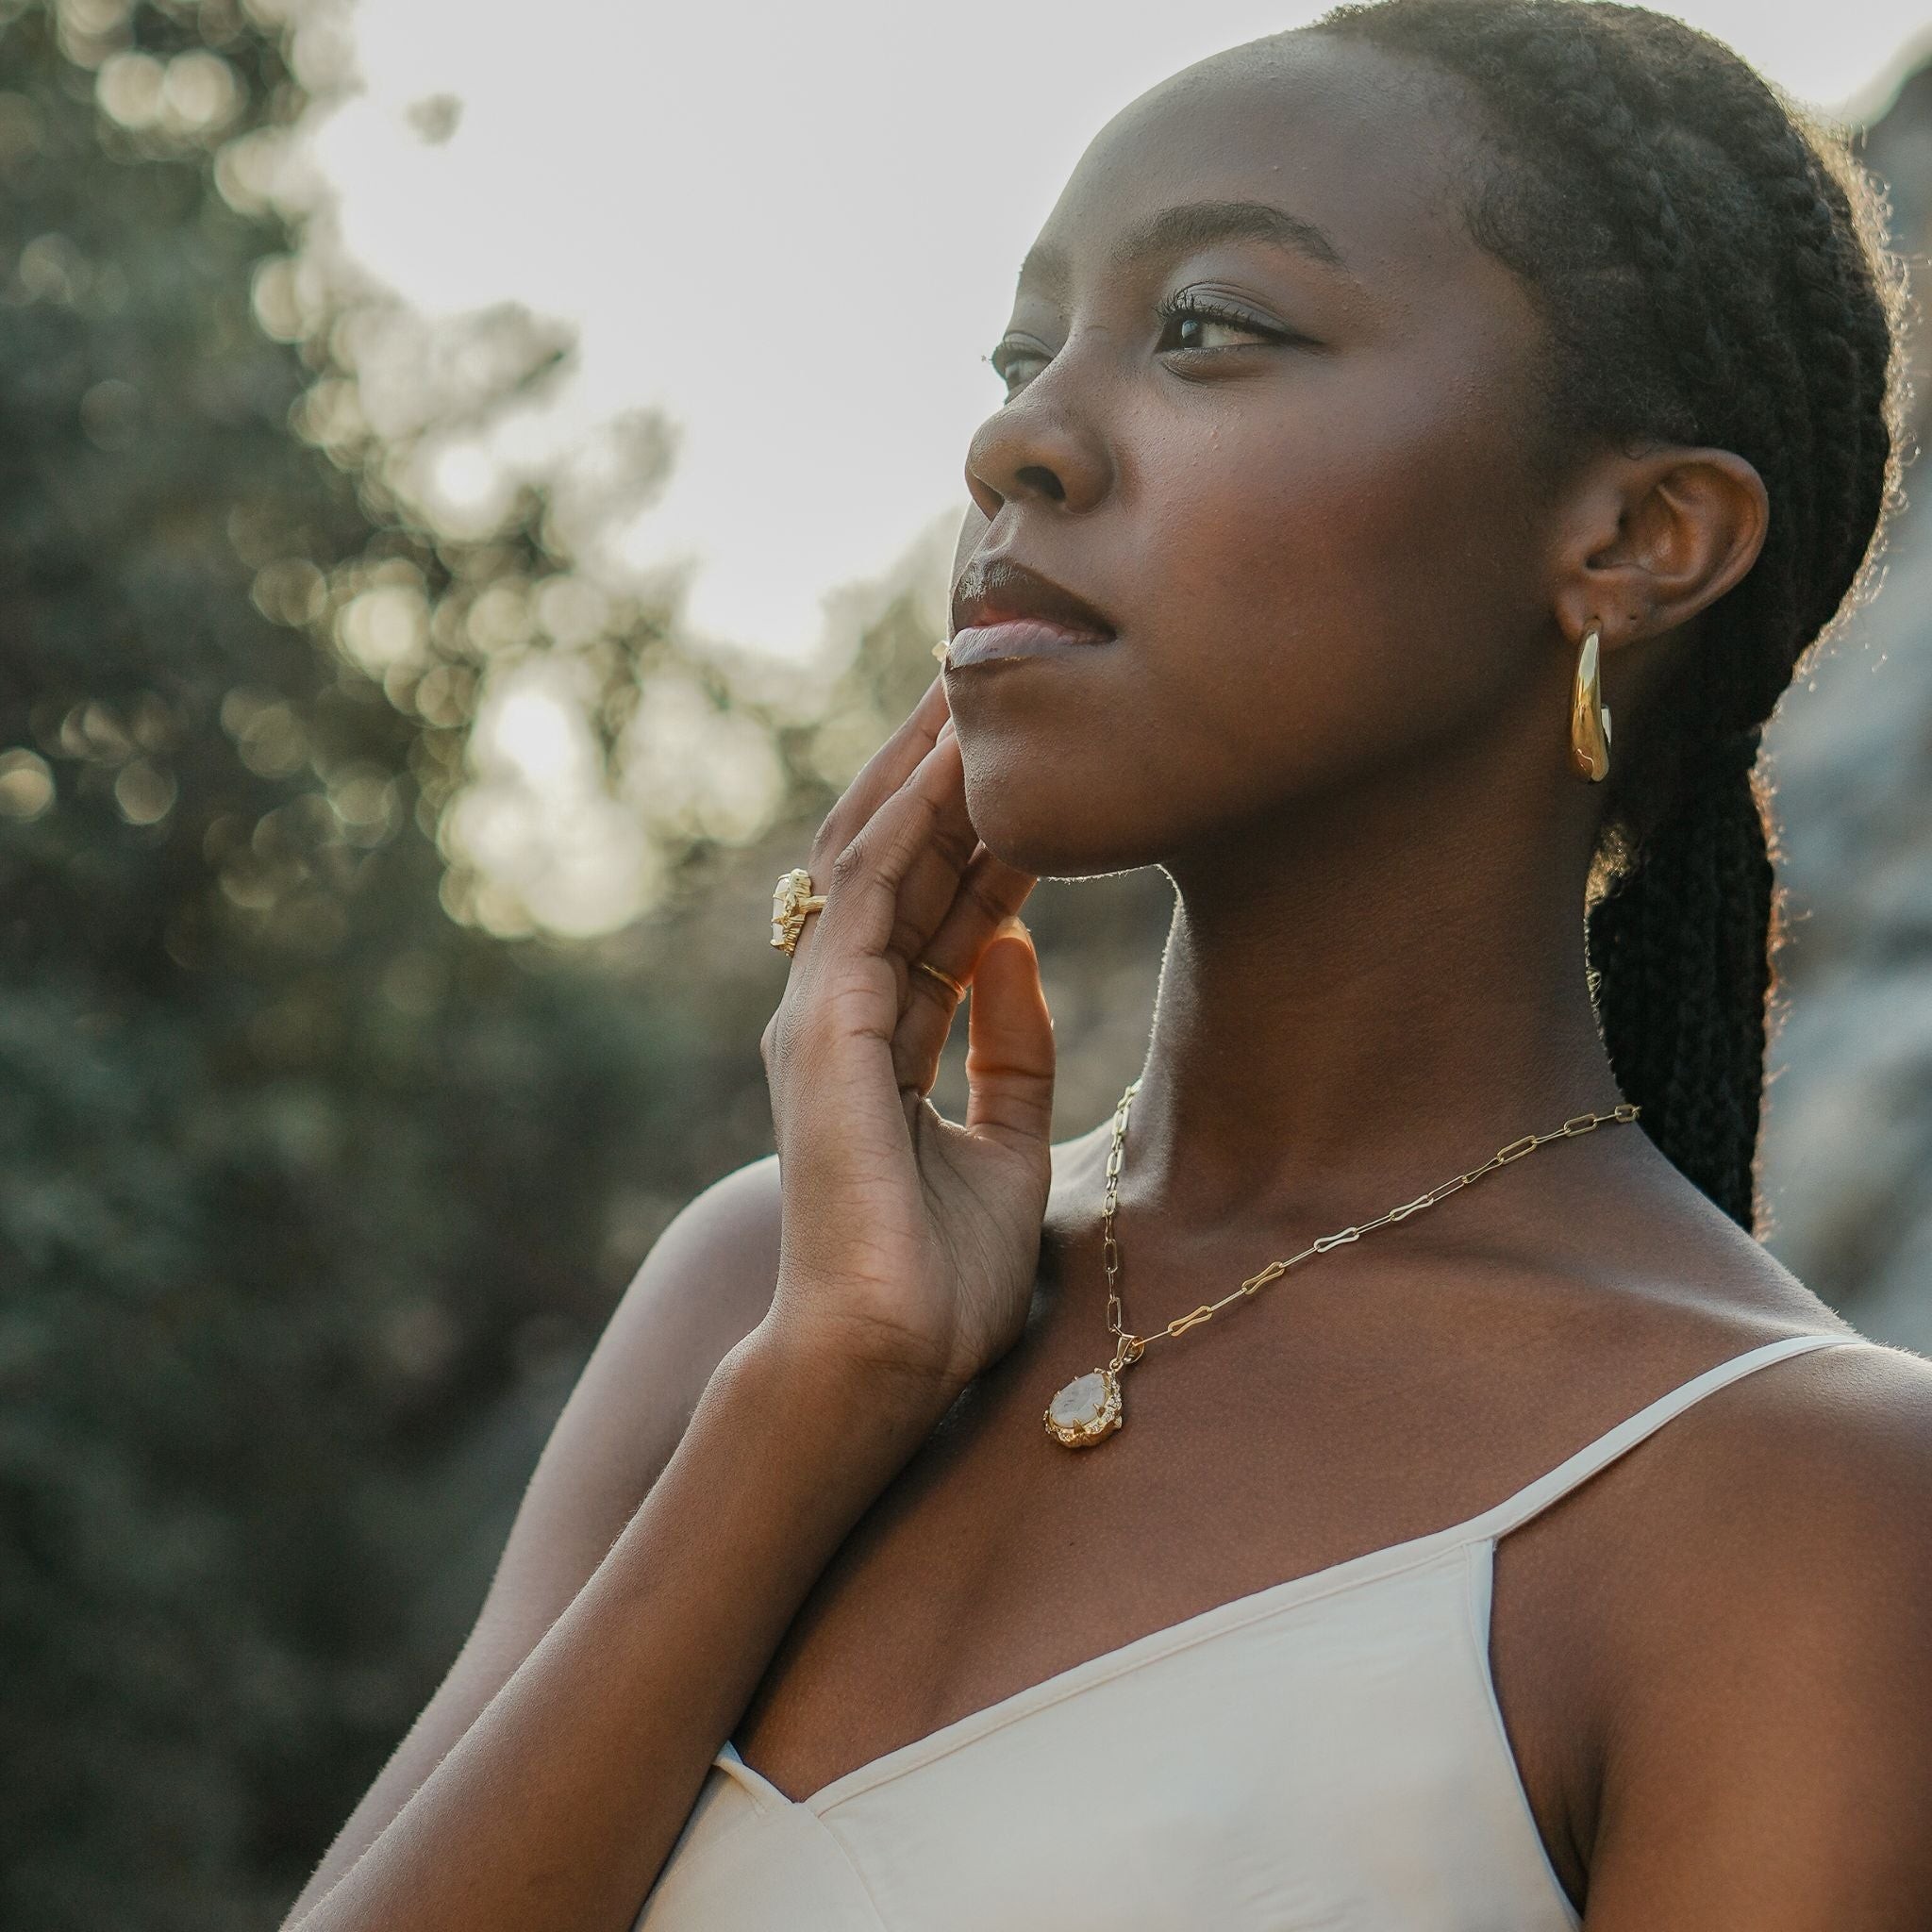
[{"x": 1087, "y": 1411}]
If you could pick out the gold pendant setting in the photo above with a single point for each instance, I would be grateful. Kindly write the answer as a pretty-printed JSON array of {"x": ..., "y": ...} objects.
[{"x": 1087, "y": 1411}]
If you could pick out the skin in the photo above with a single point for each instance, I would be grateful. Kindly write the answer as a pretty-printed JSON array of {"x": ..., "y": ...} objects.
[{"x": 1349, "y": 588}]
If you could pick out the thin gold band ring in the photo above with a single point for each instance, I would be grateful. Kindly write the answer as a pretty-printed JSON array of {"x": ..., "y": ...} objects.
[{"x": 945, "y": 979}]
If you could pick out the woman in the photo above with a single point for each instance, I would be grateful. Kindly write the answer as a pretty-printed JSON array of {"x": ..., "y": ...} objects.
[{"x": 1390, "y": 405}]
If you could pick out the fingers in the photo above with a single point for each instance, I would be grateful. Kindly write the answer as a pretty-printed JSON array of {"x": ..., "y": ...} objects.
[
  {"x": 883, "y": 774},
  {"x": 888, "y": 891},
  {"x": 990, "y": 892},
  {"x": 886, "y": 769},
  {"x": 1009, "y": 1049}
]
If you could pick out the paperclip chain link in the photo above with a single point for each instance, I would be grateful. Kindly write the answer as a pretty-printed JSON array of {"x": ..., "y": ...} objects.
[{"x": 1130, "y": 1347}]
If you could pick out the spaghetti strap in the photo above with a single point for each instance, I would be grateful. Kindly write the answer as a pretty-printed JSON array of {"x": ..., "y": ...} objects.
[{"x": 1535, "y": 1497}]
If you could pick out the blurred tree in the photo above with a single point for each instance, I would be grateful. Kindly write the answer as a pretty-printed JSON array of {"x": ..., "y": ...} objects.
[{"x": 311, "y": 1199}]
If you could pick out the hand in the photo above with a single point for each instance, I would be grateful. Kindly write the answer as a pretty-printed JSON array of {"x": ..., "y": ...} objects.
[{"x": 909, "y": 1242}]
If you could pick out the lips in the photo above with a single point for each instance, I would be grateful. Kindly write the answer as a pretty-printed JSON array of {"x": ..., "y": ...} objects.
[{"x": 997, "y": 592}]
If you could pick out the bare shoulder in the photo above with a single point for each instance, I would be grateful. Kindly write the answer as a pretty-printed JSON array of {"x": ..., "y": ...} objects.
[
  {"x": 705, "y": 1285},
  {"x": 706, "y": 1282},
  {"x": 710, "y": 1273},
  {"x": 1833, "y": 1448},
  {"x": 1772, "y": 1658},
  {"x": 1807, "y": 1486}
]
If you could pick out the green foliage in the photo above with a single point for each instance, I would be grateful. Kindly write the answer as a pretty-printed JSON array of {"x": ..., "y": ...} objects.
[
  {"x": 311, "y": 1199},
  {"x": 314, "y": 1189}
]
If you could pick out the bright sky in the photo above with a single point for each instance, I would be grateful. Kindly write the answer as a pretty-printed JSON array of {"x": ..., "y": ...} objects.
[{"x": 795, "y": 228}]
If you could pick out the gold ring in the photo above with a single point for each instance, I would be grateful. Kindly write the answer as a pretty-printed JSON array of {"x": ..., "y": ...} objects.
[
  {"x": 791, "y": 899},
  {"x": 945, "y": 979}
]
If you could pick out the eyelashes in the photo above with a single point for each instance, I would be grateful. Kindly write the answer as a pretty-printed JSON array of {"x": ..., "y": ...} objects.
[
  {"x": 1190, "y": 306},
  {"x": 1017, "y": 359}
]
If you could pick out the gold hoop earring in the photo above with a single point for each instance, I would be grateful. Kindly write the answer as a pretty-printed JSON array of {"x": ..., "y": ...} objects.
[{"x": 1589, "y": 718}]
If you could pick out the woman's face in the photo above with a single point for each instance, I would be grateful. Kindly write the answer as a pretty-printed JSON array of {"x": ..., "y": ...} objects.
[{"x": 1269, "y": 409}]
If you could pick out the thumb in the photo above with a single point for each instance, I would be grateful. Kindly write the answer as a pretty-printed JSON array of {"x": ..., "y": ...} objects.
[{"x": 1009, "y": 1049}]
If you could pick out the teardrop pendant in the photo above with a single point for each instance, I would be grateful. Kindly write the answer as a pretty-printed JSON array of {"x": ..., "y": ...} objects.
[{"x": 1087, "y": 1411}]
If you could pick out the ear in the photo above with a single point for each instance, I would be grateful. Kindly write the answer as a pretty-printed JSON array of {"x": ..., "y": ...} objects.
[{"x": 1651, "y": 540}]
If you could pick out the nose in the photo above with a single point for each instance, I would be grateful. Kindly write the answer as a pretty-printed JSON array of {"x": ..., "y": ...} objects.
[{"x": 1041, "y": 448}]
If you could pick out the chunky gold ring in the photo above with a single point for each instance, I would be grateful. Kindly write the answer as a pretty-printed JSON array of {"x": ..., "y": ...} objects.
[
  {"x": 791, "y": 899},
  {"x": 945, "y": 979}
]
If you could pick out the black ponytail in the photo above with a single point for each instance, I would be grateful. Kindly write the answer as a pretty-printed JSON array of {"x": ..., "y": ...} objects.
[{"x": 1713, "y": 272}]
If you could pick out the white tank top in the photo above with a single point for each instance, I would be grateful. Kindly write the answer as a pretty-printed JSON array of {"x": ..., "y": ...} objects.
[{"x": 1326, "y": 1755}]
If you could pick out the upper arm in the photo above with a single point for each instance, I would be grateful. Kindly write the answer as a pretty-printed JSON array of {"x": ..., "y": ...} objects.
[
  {"x": 1769, "y": 1757},
  {"x": 705, "y": 1285}
]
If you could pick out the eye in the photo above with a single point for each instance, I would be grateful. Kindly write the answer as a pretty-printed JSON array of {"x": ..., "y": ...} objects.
[
  {"x": 1191, "y": 322},
  {"x": 1017, "y": 360},
  {"x": 1195, "y": 322}
]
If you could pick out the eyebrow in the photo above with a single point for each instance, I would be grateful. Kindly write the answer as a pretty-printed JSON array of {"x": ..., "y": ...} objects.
[{"x": 1193, "y": 225}]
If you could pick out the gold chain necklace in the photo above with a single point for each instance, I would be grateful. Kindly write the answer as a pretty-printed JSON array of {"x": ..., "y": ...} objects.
[{"x": 1087, "y": 1410}]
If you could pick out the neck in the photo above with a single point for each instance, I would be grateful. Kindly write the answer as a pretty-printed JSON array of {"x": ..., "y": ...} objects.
[{"x": 1378, "y": 999}]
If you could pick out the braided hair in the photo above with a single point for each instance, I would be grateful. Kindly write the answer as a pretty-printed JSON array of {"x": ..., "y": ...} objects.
[{"x": 1712, "y": 270}]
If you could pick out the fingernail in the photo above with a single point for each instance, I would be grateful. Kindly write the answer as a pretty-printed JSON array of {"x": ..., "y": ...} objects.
[{"x": 1013, "y": 922}]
